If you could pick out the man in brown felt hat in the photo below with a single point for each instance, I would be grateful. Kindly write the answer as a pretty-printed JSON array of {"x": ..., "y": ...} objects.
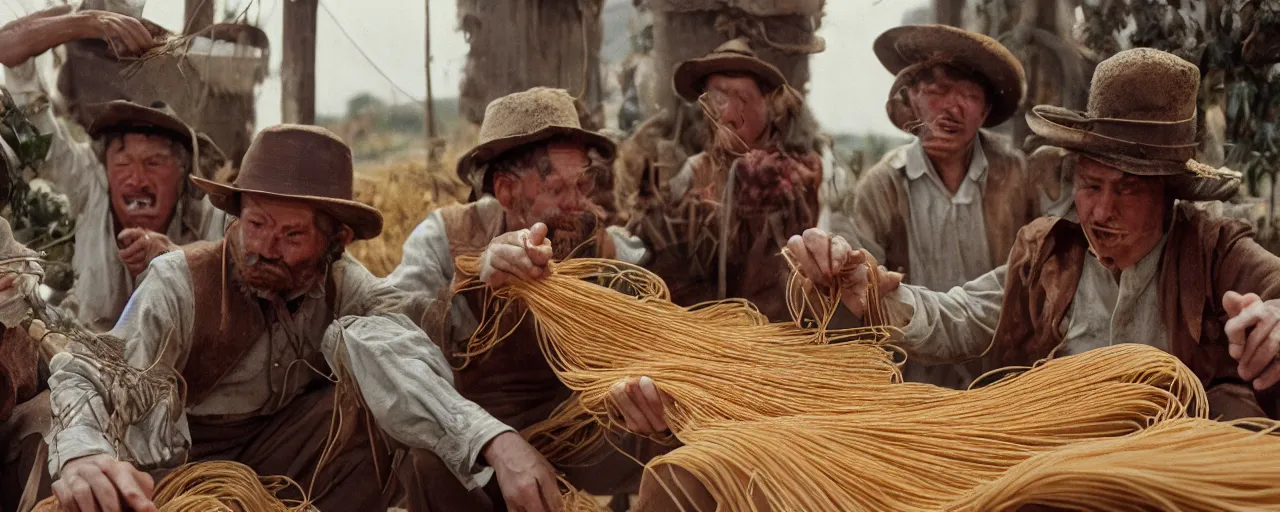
[
  {"x": 128, "y": 188},
  {"x": 945, "y": 208},
  {"x": 755, "y": 184},
  {"x": 533, "y": 170},
  {"x": 259, "y": 326},
  {"x": 1142, "y": 265}
]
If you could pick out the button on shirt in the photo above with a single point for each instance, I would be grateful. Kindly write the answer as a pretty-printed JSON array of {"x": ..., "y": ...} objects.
[{"x": 947, "y": 233}]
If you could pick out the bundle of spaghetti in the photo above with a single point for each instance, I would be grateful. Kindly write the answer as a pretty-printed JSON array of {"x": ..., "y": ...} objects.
[
  {"x": 909, "y": 458},
  {"x": 575, "y": 500},
  {"x": 1184, "y": 465},
  {"x": 716, "y": 360},
  {"x": 216, "y": 486}
]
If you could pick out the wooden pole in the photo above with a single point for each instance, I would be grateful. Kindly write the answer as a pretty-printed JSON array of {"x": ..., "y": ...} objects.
[
  {"x": 197, "y": 15},
  {"x": 298, "y": 69},
  {"x": 948, "y": 12},
  {"x": 431, "y": 118}
]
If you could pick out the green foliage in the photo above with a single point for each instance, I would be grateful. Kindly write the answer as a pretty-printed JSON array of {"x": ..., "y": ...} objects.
[{"x": 39, "y": 218}]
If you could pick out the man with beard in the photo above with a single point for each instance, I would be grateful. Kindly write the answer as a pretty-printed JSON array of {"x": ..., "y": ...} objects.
[
  {"x": 754, "y": 185},
  {"x": 250, "y": 324},
  {"x": 1143, "y": 265},
  {"x": 128, "y": 187},
  {"x": 532, "y": 168},
  {"x": 945, "y": 208}
]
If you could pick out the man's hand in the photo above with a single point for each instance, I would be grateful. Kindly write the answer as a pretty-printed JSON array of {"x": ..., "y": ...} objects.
[
  {"x": 126, "y": 35},
  {"x": 520, "y": 254},
  {"x": 527, "y": 480},
  {"x": 642, "y": 404},
  {"x": 822, "y": 258},
  {"x": 139, "y": 246},
  {"x": 1254, "y": 334},
  {"x": 99, "y": 482}
]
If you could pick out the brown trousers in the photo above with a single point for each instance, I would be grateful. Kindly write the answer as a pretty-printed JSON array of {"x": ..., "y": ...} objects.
[
  {"x": 616, "y": 473},
  {"x": 290, "y": 443},
  {"x": 24, "y": 476}
]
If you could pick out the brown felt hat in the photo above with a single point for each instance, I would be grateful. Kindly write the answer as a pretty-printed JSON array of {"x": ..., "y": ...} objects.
[
  {"x": 734, "y": 56},
  {"x": 300, "y": 162},
  {"x": 124, "y": 115},
  {"x": 1141, "y": 117},
  {"x": 522, "y": 118},
  {"x": 916, "y": 46}
]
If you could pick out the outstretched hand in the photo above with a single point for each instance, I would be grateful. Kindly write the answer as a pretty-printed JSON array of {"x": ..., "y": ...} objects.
[
  {"x": 642, "y": 404},
  {"x": 139, "y": 246},
  {"x": 522, "y": 254},
  {"x": 527, "y": 480},
  {"x": 822, "y": 258},
  {"x": 100, "y": 482},
  {"x": 1253, "y": 332}
]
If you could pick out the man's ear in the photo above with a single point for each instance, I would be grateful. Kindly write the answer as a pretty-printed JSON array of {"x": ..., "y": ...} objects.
[
  {"x": 346, "y": 235},
  {"x": 506, "y": 188}
]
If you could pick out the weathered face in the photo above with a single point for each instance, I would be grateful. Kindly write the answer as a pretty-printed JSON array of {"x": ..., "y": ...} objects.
[
  {"x": 1122, "y": 214},
  {"x": 561, "y": 198},
  {"x": 741, "y": 106},
  {"x": 950, "y": 110},
  {"x": 281, "y": 246},
  {"x": 145, "y": 179}
]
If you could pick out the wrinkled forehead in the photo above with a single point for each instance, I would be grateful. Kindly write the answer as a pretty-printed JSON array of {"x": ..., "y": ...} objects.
[
  {"x": 732, "y": 82},
  {"x": 140, "y": 143},
  {"x": 278, "y": 209}
]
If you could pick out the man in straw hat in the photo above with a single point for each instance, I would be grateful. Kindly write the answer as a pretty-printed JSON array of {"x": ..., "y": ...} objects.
[
  {"x": 128, "y": 187},
  {"x": 945, "y": 208},
  {"x": 252, "y": 324},
  {"x": 533, "y": 170},
  {"x": 1142, "y": 265},
  {"x": 755, "y": 183}
]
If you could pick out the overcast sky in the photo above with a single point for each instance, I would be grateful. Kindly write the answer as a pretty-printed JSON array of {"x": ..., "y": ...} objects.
[{"x": 847, "y": 91}]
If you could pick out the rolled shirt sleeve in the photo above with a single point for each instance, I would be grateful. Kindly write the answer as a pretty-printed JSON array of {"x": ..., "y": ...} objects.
[
  {"x": 405, "y": 379},
  {"x": 156, "y": 326},
  {"x": 952, "y": 326}
]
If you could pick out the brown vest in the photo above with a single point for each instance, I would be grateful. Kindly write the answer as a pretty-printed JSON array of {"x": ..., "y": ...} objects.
[
  {"x": 19, "y": 363},
  {"x": 513, "y": 382},
  {"x": 227, "y": 322},
  {"x": 1204, "y": 257}
]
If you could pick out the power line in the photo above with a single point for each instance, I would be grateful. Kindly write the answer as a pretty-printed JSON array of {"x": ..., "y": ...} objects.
[{"x": 367, "y": 58}]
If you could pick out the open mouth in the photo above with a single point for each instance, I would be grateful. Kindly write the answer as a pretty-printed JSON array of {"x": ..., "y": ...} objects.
[
  {"x": 1107, "y": 236},
  {"x": 139, "y": 202},
  {"x": 948, "y": 126}
]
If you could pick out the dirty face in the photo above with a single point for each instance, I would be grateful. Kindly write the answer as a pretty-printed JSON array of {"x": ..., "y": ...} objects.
[
  {"x": 283, "y": 245},
  {"x": 1122, "y": 214},
  {"x": 950, "y": 109},
  {"x": 555, "y": 189},
  {"x": 145, "y": 178},
  {"x": 740, "y": 105}
]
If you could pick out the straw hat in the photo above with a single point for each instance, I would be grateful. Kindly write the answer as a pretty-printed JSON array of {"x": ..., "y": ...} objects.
[
  {"x": 734, "y": 56},
  {"x": 915, "y": 46},
  {"x": 1141, "y": 117},
  {"x": 305, "y": 163},
  {"x": 522, "y": 118}
]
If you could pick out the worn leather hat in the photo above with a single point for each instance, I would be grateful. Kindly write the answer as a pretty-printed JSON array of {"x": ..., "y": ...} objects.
[
  {"x": 523, "y": 118},
  {"x": 911, "y": 47},
  {"x": 734, "y": 56},
  {"x": 300, "y": 162}
]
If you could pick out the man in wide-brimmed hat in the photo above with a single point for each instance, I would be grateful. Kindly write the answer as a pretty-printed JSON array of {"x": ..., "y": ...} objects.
[
  {"x": 128, "y": 188},
  {"x": 532, "y": 170},
  {"x": 1142, "y": 265},
  {"x": 259, "y": 326},
  {"x": 943, "y": 209},
  {"x": 759, "y": 130}
]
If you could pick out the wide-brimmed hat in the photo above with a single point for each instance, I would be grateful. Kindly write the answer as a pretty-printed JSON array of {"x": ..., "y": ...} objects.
[
  {"x": 1140, "y": 119},
  {"x": 734, "y": 56},
  {"x": 123, "y": 115},
  {"x": 522, "y": 118},
  {"x": 918, "y": 46},
  {"x": 305, "y": 163}
]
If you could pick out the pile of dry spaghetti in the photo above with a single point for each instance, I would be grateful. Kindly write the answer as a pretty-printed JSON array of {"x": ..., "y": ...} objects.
[
  {"x": 216, "y": 486},
  {"x": 782, "y": 417}
]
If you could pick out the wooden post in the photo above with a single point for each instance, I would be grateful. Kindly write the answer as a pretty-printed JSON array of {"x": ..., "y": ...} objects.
[
  {"x": 298, "y": 69},
  {"x": 948, "y": 12},
  {"x": 197, "y": 16},
  {"x": 431, "y": 118}
]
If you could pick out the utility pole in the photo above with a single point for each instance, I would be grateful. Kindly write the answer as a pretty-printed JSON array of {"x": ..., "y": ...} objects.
[
  {"x": 431, "y": 117},
  {"x": 298, "y": 68},
  {"x": 197, "y": 16}
]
